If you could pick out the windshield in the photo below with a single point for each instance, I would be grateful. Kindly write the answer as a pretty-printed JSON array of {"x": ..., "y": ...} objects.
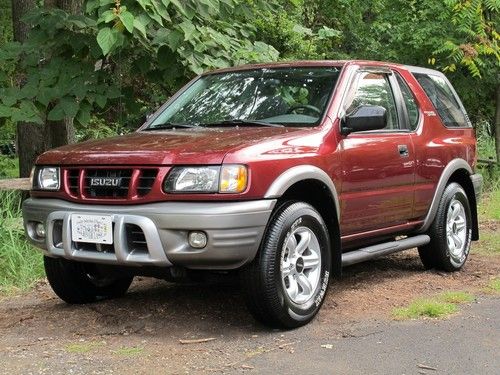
[{"x": 284, "y": 96}]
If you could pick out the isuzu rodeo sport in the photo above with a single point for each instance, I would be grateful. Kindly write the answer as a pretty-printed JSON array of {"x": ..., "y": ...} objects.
[{"x": 285, "y": 172}]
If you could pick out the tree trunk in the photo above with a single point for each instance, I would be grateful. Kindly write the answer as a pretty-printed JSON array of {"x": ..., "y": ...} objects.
[
  {"x": 30, "y": 141},
  {"x": 19, "y": 9},
  {"x": 497, "y": 124},
  {"x": 30, "y": 145},
  {"x": 60, "y": 133},
  {"x": 71, "y": 6}
]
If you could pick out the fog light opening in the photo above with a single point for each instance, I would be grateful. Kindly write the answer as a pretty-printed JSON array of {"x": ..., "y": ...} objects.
[
  {"x": 197, "y": 239},
  {"x": 40, "y": 230}
]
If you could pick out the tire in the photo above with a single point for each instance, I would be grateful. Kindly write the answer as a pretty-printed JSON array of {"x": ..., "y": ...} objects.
[
  {"x": 450, "y": 232},
  {"x": 284, "y": 288},
  {"x": 79, "y": 283}
]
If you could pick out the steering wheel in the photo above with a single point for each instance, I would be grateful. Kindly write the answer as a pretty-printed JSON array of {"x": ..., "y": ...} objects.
[{"x": 304, "y": 108}]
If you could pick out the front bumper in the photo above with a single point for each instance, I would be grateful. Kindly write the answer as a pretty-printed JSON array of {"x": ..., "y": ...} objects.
[{"x": 234, "y": 231}]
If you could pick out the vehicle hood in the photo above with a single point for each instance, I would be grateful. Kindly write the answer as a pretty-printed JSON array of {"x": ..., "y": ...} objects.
[{"x": 168, "y": 147}]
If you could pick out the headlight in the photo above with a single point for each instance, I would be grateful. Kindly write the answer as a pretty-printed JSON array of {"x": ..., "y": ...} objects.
[
  {"x": 47, "y": 178},
  {"x": 207, "y": 179},
  {"x": 193, "y": 180}
]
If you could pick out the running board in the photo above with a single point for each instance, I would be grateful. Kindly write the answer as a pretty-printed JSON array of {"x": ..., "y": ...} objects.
[{"x": 375, "y": 251}]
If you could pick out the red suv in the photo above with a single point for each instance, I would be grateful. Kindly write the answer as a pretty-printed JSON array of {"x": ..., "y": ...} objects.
[{"x": 285, "y": 172}]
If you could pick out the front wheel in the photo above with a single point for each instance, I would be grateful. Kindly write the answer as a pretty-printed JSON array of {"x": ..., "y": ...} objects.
[
  {"x": 78, "y": 283},
  {"x": 286, "y": 283},
  {"x": 450, "y": 232}
]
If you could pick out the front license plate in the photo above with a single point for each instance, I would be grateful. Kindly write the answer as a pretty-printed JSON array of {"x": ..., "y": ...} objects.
[{"x": 92, "y": 228}]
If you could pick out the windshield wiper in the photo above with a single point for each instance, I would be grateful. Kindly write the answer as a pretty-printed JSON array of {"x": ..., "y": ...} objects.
[
  {"x": 243, "y": 122},
  {"x": 169, "y": 125}
]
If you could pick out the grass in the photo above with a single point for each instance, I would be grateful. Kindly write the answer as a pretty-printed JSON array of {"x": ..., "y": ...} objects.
[
  {"x": 489, "y": 243},
  {"x": 489, "y": 207},
  {"x": 440, "y": 306},
  {"x": 128, "y": 351},
  {"x": 489, "y": 213},
  {"x": 427, "y": 308},
  {"x": 493, "y": 286},
  {"x": 83, "y": 347},
  {"x": 456, "y": 297},
  {"x": 20, "y": 264},
  {"x": 9, "y": 167}
]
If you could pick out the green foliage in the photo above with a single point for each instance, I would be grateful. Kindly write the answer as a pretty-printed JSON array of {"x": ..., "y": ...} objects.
[
  {"x": 78, "y": 65},
  {"x": 20, "y": 264},
  {"x": 97, "y": 128},
  {"x": 476, "y": 24},
  {"x": 5, "y": 22}
]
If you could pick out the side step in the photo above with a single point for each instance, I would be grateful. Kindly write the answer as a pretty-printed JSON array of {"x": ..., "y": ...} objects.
[{"x": 375, "y": 251}]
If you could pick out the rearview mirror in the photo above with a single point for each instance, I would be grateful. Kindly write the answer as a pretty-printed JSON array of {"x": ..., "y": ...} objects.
[{"x": 365, "y": 117}]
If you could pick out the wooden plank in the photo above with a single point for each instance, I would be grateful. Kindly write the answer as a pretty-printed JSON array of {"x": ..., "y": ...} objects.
[
  {"x": 487, "y": 161},
  {"x": 15, "y": 184}
]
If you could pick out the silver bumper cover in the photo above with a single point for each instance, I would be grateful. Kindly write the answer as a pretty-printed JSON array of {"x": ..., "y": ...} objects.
[{"x": 234, "y": 231}]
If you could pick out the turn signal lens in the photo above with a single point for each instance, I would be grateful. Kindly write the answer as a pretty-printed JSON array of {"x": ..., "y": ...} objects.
[{"x": 233, "y": 179}]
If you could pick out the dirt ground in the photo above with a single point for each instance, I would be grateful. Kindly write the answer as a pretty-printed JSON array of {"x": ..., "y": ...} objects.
[{"x": 142, "y": 332}]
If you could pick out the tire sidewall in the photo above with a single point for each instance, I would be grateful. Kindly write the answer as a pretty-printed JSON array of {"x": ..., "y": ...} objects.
[{"x": 297, "y": 215}]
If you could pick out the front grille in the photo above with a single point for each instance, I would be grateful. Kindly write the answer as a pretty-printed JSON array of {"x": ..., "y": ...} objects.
[
  {"x": 146, "y": 181},
  {"x": 73, "y": 179},
  {"x": 95, "y": 183},
  {"x": 113, "y": 183}
]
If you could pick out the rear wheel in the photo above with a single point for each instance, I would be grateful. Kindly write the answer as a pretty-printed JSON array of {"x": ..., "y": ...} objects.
[
  {"x": 286, "y": 283},
  {"x": 450, "y": 232},
  {"x": 79, "y": 283}
]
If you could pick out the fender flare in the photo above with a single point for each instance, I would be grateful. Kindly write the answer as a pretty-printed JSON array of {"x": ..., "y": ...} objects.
[
  {"x": 300, "y": 173},
  {"x": 451, "y": 168}
]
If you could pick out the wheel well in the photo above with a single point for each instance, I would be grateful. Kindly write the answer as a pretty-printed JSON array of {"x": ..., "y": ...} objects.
[
  {"x": 461, "y": 177},
  {"x": 318, "y": 195}
]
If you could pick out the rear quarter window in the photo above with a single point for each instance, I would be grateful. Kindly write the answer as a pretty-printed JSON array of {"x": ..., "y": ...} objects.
[{"x": 443, "y": 99}]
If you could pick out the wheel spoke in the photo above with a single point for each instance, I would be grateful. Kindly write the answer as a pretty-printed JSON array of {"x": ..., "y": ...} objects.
[
  {"x": 460, "y": 224},
  {"x": 311, "y": 261},
  {"x": 451, "y": 242},
  {"x": 457, "y": 241},
  {"x": 449, "y": 216},
  {"x": 305, "y": 240},
  {"x": 456, "y": 211},
  {"x": 291, "y": 244},
  {"x": 305, "y": 284},
  {"x": 293, "y": 289},
  {"x": 286, "y": 271}
]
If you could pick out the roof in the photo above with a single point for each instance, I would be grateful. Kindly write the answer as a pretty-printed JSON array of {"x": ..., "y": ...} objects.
[{"x": 325, "y": 63}]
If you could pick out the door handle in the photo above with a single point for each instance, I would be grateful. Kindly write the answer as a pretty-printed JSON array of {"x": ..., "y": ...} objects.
[{"x": 403, "y": 151}]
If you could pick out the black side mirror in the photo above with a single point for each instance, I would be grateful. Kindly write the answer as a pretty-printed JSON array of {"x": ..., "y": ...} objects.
[{"x": 366, "y": 117}]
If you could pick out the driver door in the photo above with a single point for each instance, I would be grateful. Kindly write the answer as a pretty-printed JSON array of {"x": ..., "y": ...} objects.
[{"x": 378, "y": 166}]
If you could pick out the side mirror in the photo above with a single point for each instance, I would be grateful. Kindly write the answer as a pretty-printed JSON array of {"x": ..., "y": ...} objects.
[{"x": 366, "y": 117}]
